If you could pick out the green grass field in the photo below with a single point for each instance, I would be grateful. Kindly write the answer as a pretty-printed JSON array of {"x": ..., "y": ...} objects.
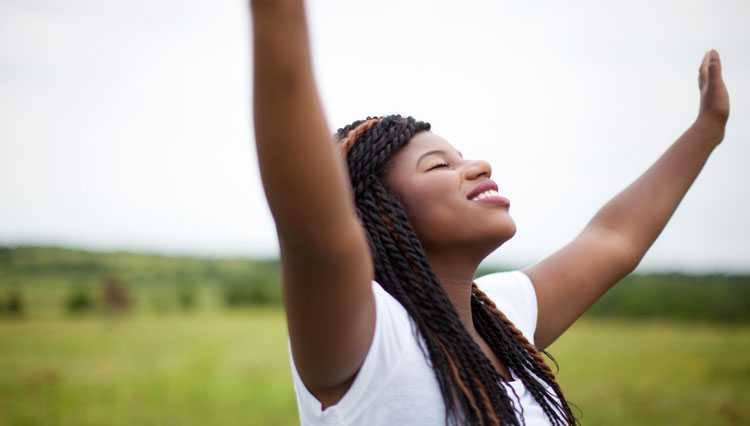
[
  {"x": 656, "y": 373},
  {"x": 231, "y": 368}
]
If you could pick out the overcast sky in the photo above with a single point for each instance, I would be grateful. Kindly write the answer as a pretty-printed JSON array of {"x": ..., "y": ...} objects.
[{"x": 127, "y": 124}]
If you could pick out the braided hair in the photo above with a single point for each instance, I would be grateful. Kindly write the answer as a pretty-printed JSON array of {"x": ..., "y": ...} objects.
[{"x": 469, "y": 383}]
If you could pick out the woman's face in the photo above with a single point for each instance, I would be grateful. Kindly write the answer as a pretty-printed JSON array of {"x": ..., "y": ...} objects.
[{"x": 439, "y": 190}]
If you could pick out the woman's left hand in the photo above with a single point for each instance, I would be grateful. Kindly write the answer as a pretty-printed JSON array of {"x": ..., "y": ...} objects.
[{"x": 714, "y": 106}]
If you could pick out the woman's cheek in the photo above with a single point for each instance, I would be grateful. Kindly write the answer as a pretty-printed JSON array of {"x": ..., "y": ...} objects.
[{"x": 434, "y": 220}]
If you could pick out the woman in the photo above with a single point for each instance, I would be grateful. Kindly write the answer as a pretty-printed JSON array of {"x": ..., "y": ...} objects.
[{"x": 386, "y": 325}]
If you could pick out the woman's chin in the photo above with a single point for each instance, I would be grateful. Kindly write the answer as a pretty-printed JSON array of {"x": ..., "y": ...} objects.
[
  {"x": 491, "y": 241},
  {"x": 481, "y": 238},
  {"x": 512, "y": 231},
  {"x": 506, "y": 231},
  {"x": 504, "y": 237}
]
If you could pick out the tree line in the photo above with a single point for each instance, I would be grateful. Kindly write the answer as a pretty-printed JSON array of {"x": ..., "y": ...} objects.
[{"x": 80, "y": 281}]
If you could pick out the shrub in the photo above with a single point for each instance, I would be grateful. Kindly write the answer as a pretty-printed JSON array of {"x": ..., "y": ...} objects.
[
  {"x": 14, "y": 305},
  {"x": 186, "y": 296},
  {"x": 79, "y": 301}
]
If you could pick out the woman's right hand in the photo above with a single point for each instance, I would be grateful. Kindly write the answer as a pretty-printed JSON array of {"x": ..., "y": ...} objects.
[{"x": 714, "y": 105}]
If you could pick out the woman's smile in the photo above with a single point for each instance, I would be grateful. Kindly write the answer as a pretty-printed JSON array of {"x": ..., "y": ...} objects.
[{"x": 486, "y": 192}]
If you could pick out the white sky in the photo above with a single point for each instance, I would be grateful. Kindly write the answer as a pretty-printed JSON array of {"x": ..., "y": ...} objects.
[{"x": 127, "y": 125}]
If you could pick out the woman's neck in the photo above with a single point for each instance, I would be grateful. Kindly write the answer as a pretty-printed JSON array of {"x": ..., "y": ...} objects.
[{"x": 456, "y": 275}]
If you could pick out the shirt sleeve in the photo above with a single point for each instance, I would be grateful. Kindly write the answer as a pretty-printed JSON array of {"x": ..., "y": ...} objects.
[
  {"x": 514, "y": 295},
  {"x": 392, "y": 332}
]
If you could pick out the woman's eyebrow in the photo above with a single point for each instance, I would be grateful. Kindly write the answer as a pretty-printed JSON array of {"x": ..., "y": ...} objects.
[{"x": 428, "y": 153}]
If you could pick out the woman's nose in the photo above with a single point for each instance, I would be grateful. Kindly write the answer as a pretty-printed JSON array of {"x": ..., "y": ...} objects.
[{"x": 477, "y": 168}]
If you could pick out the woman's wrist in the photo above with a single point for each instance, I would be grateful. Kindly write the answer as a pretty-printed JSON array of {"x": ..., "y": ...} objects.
[
  {"x": 709, "y": 128},
  {"x": 277, "y": 6}
]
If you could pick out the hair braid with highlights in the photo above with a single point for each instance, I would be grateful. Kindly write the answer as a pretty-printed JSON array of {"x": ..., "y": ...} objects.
[{"x": 468, "y": 381}]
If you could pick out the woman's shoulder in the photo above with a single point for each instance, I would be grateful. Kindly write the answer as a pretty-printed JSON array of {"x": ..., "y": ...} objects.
[
  {"x": 514, "y": 295},
  {"x": 388, "y": 307},
  {"x": 394, "y": 368}
]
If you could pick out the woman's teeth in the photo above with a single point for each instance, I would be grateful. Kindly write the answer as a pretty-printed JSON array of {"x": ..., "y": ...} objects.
[{"x": 485, "y": 194}]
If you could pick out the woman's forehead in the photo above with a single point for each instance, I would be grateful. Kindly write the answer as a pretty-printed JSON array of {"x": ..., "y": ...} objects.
[{"x": 424, "y": 142}]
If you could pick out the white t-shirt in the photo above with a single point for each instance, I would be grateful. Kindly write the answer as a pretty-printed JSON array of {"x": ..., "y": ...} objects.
[{"x": 396, "y": 385}]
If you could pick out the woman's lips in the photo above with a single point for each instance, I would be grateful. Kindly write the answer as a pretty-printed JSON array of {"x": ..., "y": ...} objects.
[
  {"x": 485, "y": 185},
  {"x": 495, "y": 199},
  {"x": 486, "y": 192}
]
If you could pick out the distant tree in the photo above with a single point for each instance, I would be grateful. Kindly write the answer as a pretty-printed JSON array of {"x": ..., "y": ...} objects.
[{"x": 116, "y": 295}]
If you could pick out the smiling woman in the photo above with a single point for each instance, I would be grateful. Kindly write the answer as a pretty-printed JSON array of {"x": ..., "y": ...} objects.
[
  {"x": 386, "y": 324},
  {"x": 431, "y": 216}
]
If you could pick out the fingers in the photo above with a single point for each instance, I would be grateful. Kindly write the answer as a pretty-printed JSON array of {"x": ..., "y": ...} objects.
[
  {"x": 714, "y": 66},
  {"x": 710, "y": 69}
]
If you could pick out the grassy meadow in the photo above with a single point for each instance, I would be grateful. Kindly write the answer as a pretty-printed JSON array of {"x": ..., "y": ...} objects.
[
  {"x": 188, "y": 348},
  {"x": 215, "y": 369},
  {"x": 232, "y": 368}
]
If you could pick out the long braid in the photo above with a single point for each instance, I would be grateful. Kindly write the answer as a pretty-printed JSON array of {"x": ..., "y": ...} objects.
[
  {"x": 533, "y": 351},
  {"x": 468, "y": 381},
  {"x": 490, "y": 321}
]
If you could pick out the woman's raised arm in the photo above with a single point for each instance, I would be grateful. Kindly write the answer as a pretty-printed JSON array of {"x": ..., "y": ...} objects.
[
  {"x": 326, "y": 264},
  {"x": 618, "y": 236}
]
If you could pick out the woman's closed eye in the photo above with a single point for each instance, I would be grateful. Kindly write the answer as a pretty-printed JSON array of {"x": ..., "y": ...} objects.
[{"x": 438, "y": 165}]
